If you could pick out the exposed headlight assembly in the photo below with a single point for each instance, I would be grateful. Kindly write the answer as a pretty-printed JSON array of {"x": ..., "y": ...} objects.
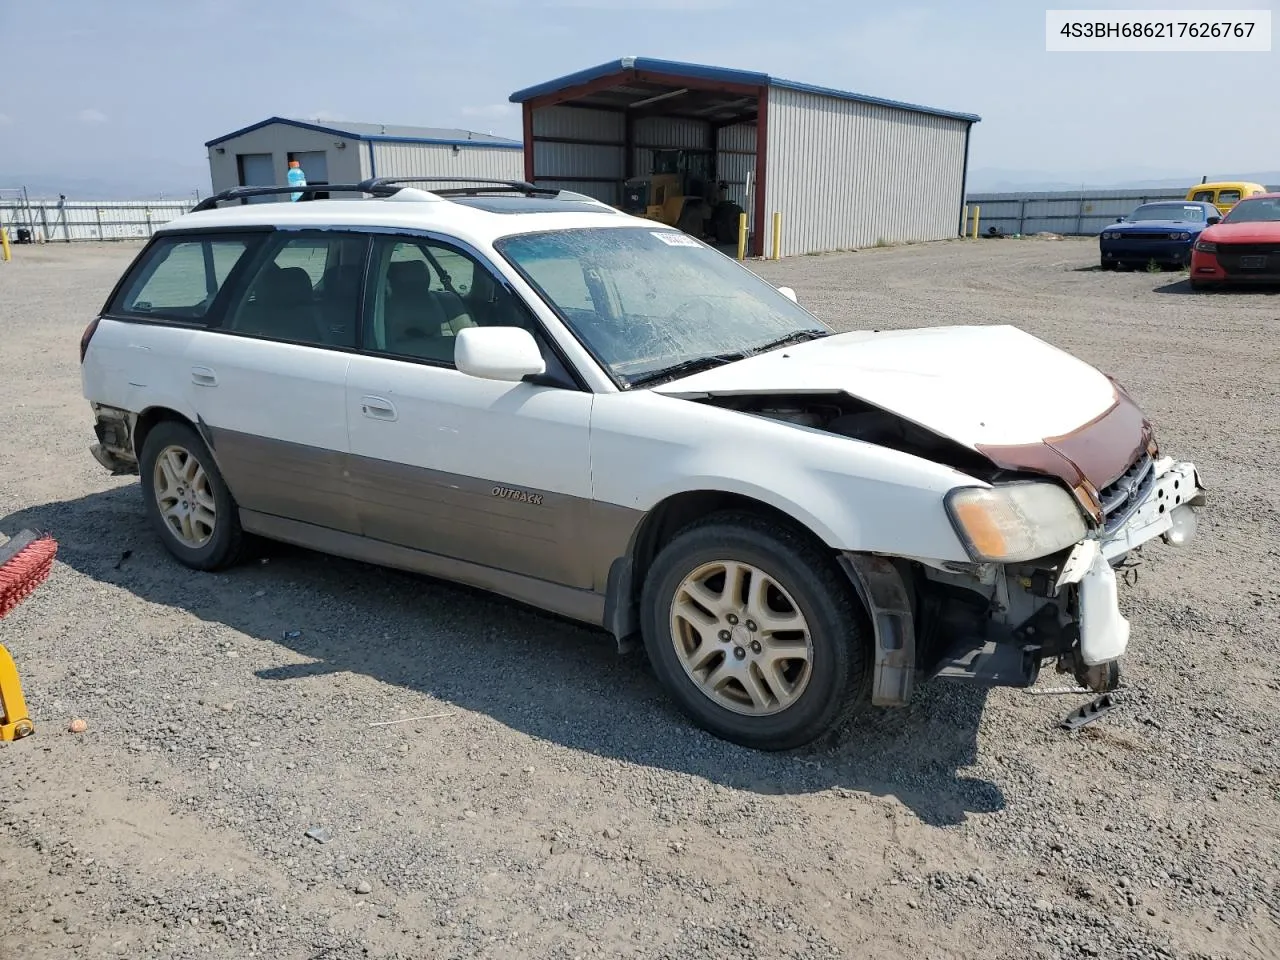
[
  {"x": 1015, "y": 522},
  {"x": 1206, "y": 246}
]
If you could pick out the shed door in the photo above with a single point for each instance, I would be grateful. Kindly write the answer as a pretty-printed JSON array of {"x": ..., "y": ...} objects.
[
  {"x": 257, "y": 170},
  {"x": 315, "y": 166}
]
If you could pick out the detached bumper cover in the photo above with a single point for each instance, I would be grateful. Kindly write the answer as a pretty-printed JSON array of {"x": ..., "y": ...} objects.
[{"x": 1104, "y": 631}]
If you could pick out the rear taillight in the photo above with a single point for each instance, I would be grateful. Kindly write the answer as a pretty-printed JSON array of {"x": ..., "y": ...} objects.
[{"x": 87, "y": 336}]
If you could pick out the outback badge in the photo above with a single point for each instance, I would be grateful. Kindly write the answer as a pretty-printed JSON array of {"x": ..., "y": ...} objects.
[{"x": 508, "y": 493}]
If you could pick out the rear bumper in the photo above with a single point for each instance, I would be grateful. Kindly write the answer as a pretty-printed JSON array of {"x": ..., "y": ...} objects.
[{"x": 114, "y": 449}]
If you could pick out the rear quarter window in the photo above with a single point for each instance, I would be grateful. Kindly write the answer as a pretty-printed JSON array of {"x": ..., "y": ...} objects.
[{"x": 179, "y": 278}]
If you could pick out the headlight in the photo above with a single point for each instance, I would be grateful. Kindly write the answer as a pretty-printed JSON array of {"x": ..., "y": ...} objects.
[
  {"x": 1206, "y": 246},
  {"x": 1014, "y": 522}
]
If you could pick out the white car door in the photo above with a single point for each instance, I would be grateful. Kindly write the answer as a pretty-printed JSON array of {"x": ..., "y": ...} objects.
[
  {"x": 489, "y": 472},
  {"x": 268, "y": 381}
]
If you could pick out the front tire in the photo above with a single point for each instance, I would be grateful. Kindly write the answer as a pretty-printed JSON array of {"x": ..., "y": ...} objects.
[
  {"x": 755, "y": 633},
  {"x": 187, "y": 501}
]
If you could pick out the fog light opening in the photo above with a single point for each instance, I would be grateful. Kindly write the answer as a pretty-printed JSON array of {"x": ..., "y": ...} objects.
[{"x": 1183, "y": 520}]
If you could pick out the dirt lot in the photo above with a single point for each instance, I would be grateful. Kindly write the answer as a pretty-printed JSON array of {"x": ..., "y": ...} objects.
[{"x": 553, "y": 804}]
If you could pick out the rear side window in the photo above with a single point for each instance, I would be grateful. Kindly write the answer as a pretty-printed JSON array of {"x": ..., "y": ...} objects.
[
  {"x": 306, "y": 289},
  {"x": 1229, "y": 196},
  {"x": 180, "y": 277}
]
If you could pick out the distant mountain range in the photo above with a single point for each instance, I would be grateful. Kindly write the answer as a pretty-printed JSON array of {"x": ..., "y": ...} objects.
[{"x": 991, "y": 180}]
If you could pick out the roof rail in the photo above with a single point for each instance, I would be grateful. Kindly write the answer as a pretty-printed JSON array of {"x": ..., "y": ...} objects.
[
  {"x": 239, "y": 193},
  {"x": 483, "y": 186}
]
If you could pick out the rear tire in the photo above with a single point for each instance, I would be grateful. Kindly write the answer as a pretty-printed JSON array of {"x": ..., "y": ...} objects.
[
  {"x": 186, "y": 499},
  {"x": 701, "y": 636}
]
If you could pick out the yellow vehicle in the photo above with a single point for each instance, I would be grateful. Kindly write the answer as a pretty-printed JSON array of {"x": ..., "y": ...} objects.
[
  {"x": 1224, "y": 194},
  {"x": 682, "y": 192}
]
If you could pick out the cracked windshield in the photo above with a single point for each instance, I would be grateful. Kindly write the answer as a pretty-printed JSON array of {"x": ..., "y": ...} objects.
[{"x": 654, "y": 303}]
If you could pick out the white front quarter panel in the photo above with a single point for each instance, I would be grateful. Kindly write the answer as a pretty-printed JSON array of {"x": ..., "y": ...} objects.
[{"x": 856, "y": 496}]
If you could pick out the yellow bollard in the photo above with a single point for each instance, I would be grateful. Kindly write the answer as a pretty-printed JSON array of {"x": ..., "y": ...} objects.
[
  {"x": 964, "y": 221},
  {"x": 4, "y": 245},
  {"x": 777, "y": 235},
  {"x": 742, "y": 236},
  {"x": 976, "y": 209}
]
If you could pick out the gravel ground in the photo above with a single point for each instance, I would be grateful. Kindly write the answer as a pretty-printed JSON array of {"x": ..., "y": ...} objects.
[{"x": 551, "y": 803}]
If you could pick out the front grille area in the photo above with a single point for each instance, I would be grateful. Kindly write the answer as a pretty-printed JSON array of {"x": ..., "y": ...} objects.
[
  {"x": 1123, "y": 495},
  {"x": 1265, "y": 257},
  {"x": 1148, "y": 237}
]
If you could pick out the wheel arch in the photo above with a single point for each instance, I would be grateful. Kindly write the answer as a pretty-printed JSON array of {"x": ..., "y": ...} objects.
[
  {"x": 660, "y": 525},
  {"x": 152, "y": 416}
]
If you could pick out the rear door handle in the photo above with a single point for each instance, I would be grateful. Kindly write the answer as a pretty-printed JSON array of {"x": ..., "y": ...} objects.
[
  {"x": 204, "y": 377},
  {"x": 377, "y": 408}
]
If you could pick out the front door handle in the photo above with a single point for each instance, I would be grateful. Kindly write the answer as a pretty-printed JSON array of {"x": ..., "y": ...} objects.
[
  {"x": 378, "y": 408},
  {"x": 203, "y": 377}
]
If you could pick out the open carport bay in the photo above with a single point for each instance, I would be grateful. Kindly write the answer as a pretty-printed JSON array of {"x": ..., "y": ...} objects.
[{"x": 551, "y": 803}]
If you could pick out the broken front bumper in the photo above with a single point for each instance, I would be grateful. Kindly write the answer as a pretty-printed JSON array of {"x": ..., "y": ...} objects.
[{"x": 1167, "y": 510}]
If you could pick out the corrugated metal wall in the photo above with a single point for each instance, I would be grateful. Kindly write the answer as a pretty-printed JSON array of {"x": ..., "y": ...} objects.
[
  {"x": 736, "y": 164},
  {"x": 666, "y": 133},
  {"x": 575, "y": 148},
  {"x": 1072, "y": 213},
  {"x": 846, "y": 174},
  {"x": 594, "y": 167},
  {"x": 392, "y": 159},
  {"x": 50, "y": 220}
]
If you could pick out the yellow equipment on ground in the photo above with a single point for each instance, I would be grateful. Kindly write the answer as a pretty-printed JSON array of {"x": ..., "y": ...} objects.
[
  {"x": 682, "y": 192},
  {"x": 25, "y": 562}
]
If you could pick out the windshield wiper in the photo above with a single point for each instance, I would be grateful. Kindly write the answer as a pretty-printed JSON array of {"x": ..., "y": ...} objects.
[
  {"x": 797, "y": 336},
  {"x": 693, "y": 365}
]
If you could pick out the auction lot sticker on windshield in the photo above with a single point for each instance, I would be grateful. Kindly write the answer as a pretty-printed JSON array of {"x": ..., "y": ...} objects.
[
  {"x": 673, "y": 238},
  {"x": 1157, "y": 31}
]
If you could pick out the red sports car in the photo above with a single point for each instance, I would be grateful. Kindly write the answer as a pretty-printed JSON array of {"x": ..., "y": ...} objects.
[{"x": 1243, "y": 248}]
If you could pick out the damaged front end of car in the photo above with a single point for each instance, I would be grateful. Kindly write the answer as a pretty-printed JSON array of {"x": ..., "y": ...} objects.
[{"x": 1045, "y": 527}]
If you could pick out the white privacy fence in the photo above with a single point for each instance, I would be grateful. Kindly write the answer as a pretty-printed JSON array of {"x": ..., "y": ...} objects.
[{"x": 60, "y": 221}]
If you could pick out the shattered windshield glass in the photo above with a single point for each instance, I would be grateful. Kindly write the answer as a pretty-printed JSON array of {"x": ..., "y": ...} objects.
[{"x": 647, "y": 300}]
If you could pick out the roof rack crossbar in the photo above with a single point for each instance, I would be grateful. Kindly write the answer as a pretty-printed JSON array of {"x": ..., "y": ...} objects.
[
  {"x": 239, "y": 193},
  {"x": 483, "y": 185}
]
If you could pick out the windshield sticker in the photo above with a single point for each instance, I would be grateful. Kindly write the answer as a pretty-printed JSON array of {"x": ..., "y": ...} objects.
[{"x": 674, "y": 238}]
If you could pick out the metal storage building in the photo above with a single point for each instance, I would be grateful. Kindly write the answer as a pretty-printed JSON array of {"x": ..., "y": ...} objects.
[
  {"x": 342, "y": 152},
  {"x": 843, "y": 169}
]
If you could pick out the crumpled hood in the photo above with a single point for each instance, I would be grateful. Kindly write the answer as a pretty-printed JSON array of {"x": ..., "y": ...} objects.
[{"x": 989, "y": 386}]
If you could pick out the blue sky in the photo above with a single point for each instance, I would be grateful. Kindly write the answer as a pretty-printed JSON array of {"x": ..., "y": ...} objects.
[{"x": 129, "y": 91}]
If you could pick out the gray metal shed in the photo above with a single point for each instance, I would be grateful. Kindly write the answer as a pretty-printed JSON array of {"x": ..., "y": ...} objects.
[
  {"x": 844, "y": 169},
  {"x": 343, "y": 152}
]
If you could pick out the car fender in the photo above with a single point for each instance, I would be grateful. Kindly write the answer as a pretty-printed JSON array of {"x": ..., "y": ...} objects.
[{"x": 855, "y": 496}]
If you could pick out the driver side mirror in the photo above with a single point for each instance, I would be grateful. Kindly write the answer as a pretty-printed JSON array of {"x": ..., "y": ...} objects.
[
  {"x": 1119, "y": 219},
  {"x": 1212, "y": 220},
  {"x": 498, "y": 353},
  {"x": 788, "y": 293}
]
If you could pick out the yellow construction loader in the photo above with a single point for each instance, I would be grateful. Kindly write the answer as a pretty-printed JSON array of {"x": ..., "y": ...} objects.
[{"x": 681, "y": 192}]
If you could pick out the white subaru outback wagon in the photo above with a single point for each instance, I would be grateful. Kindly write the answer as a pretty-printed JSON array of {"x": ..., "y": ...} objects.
[{"x": 530, "y": 392}]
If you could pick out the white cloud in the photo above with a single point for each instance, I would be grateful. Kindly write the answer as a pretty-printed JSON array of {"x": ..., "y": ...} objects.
[
  {"x": 490, "y": 110},
  {"x": 90, "y": 115}
]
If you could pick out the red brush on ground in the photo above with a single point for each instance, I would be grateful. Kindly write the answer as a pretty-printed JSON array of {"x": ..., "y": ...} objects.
[{"x": 25, "y": 562}]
